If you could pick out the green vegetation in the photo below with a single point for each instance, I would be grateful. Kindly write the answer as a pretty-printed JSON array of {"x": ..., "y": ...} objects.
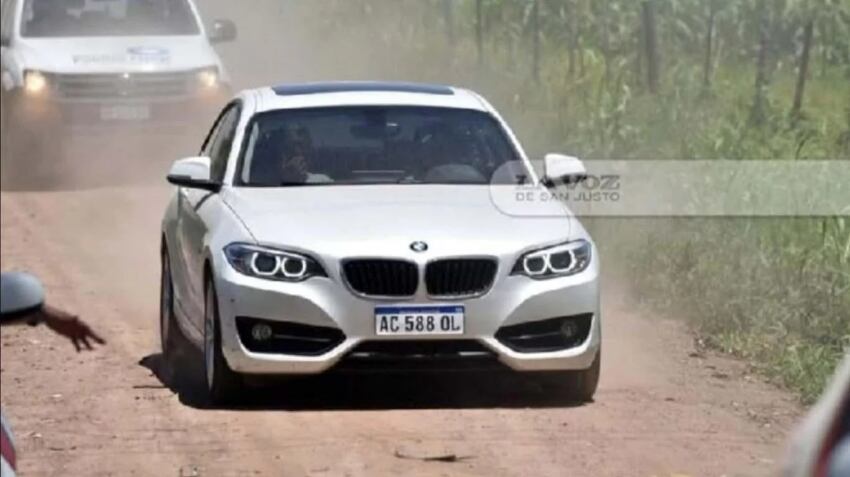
[
  {"x": 775, "y": 291},
  {"x": 666, "y": 79}
]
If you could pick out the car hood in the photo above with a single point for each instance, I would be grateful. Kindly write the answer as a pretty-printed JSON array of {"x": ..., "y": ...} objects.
[
  {"x": 116, "y": 54},
  {"x": 385, "y": 220}
]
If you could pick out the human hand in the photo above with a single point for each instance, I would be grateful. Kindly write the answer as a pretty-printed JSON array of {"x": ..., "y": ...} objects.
[{"x": 69, "y": 326}]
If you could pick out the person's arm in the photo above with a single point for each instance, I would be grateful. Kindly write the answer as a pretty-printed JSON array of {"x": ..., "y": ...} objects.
[
  {"x": 67, "y": 325},
  {"x": 22, "y": 301}
]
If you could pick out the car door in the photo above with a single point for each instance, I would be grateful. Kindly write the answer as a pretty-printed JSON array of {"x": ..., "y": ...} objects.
[{"x": 195, "y": 207}]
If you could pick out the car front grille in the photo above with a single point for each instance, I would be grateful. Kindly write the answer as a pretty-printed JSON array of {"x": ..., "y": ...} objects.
[
  {"x": 448, "y": 278},
  {"x": 460, "y": 277},
  {"x": 382, "y": 278},
  {"x": 122, "y": 86}
]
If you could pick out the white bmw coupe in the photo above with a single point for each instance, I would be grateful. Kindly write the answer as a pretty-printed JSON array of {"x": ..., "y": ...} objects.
[{"x": 337, "y": 226}]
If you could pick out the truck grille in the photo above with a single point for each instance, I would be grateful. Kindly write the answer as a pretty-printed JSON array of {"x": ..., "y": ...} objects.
[
  {"x": 123, "y": 86},
  {"x": 382, "y": 278},
  {"x": 460, "y": 277}
]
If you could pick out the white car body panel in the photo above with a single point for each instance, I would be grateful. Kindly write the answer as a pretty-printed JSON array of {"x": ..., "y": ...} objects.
[{"x": 353, "y": 220}]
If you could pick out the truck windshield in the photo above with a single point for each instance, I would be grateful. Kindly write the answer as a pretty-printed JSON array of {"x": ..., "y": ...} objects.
[{"x": 86, "y": 18}]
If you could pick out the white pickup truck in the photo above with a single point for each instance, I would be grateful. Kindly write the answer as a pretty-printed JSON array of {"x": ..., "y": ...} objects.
[{"x": 74, "y": 68}]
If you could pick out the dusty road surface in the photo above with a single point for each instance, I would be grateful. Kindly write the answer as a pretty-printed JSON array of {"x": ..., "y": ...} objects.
[{"x": 664, "y": 407}]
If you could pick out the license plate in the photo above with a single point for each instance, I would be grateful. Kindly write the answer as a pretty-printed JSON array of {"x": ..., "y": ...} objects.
[
  {"x": 419, "y": 320},
  {"x": 125, "y": 112}
]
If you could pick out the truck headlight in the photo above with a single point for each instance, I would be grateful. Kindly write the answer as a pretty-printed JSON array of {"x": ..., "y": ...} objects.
[
  {"x": 272, "y": 264},
  {"x": 208, "y": 78},
  {"x": 559, "y": 261},
  {"x": 35, "y": 83}
]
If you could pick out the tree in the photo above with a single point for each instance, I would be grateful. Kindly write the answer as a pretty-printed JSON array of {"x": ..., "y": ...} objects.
[
  {"x": 653, "y": 59},
  {"x": 758, "y": 111},
  {"x": 535, "y": 41},
  {"x": 479, "y": 30},
  {"x": 709, "y": 46},
  {"x": 449, "y": 18},
  {"x": 573, "y": 17},
  {"x": 803, "y": 67}
]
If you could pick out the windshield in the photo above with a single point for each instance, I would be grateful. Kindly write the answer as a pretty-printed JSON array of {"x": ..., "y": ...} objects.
[
  {"x": 87, "y": 18},
  {"x": 378, "y": 145}
]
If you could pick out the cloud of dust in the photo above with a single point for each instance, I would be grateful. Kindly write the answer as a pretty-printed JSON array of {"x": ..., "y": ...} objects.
[{"x": 290, "y": 41}]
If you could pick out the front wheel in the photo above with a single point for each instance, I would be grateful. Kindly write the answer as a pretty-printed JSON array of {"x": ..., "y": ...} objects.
[
  {"x": 223, "y": 384},
  {"x": 578, "y": 386},
  {"x": 168, "y": 328}
]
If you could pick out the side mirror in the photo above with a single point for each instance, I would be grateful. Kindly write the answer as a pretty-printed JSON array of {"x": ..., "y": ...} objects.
[
  {"x": 193, "y": 173},
  {"x": 561, "y": 169},
  {"x": 20, "y": 293},
  {"x": 222, "y": 31}
]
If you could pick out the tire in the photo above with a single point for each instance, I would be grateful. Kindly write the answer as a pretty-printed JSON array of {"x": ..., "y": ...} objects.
[
  {"x": 223, "y": 384},
  {"x": 576, "y": 386},
  {"x": 168, "y": 328}
]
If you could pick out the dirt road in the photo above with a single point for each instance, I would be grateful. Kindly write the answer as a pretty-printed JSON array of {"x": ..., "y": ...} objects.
[{"x": 664, "y": 408}]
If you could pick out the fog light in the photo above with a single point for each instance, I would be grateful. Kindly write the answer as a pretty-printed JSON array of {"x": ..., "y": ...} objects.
[
  {"x": 261, "y": 332},
  {"x": 569, "y": 329}
]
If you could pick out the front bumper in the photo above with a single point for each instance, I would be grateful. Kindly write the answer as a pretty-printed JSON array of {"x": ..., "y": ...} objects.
[
  {"x": 169, "y": 116},
  {"x": 327, "y": 303}
]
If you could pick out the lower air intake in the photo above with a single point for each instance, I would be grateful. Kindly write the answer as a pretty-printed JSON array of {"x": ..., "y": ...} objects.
[
  {"x": 556, "y": 334},
  {"x": 287, "y": 338}
]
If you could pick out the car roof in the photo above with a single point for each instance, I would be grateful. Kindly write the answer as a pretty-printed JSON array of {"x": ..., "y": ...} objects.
[{"x": 365, "y": 93}]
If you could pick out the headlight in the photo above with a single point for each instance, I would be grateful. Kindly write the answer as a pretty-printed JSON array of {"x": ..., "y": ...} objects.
[
  {"x": 560, "y": 261},
  {"x": 208, "y": 78},
  {"x": 35, "y": 82},
  {"x": 272, "y": 264}
]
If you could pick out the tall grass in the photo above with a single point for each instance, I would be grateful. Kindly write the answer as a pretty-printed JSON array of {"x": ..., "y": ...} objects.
[{"x": 773, "y": 291}]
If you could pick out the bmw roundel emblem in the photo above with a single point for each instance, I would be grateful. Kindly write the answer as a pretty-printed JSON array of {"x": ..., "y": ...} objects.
[{"x": 419, "y": 247}]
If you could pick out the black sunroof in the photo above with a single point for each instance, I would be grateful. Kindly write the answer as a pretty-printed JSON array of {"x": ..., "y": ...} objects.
[{"x": 361, "y": 86}]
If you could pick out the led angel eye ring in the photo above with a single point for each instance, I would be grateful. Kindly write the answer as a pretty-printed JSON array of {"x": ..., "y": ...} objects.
[
  {"x": 536, "y": 273},
  {"x": 287, "y": 273},
  {"x": 569, "y": 268},
  {"x": 260, "y": 273}
]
